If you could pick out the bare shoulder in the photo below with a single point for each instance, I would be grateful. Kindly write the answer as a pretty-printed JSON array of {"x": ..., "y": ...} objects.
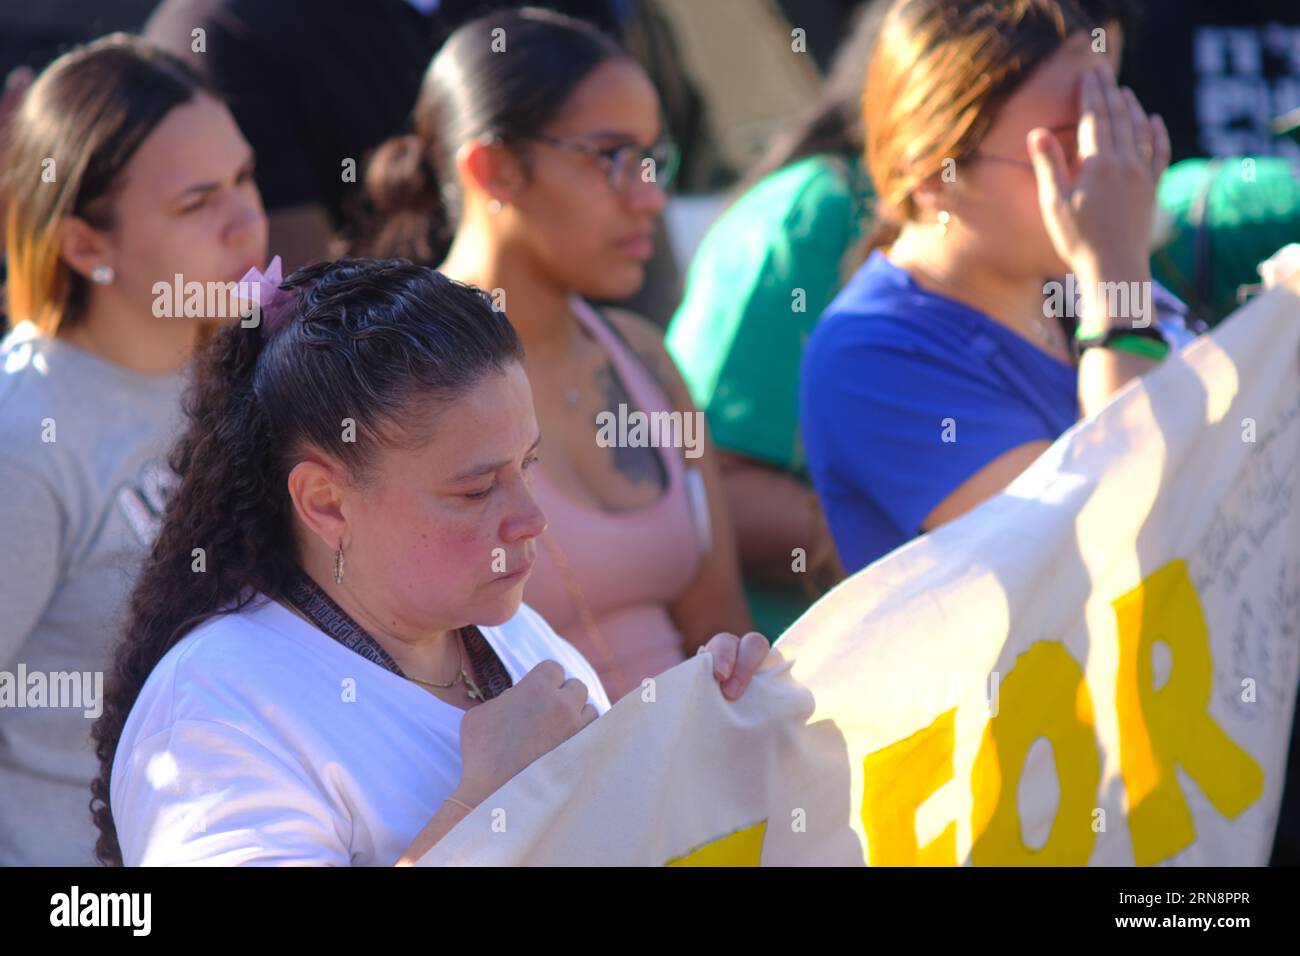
[
  {"x": 637, "y": 329},
  {"x": 647, "y": 340}
]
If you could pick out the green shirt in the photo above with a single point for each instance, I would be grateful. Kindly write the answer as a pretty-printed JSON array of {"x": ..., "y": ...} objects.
[
  {"x": 1223, "y": 218},
  {"x": 757, "y": 286}
]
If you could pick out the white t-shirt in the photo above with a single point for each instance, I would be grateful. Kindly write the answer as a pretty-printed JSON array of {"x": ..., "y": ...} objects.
[{"x": 258, "y": 739}]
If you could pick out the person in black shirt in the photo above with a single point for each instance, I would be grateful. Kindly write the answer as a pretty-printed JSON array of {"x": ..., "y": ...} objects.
[{"x": 312, "y": 85}]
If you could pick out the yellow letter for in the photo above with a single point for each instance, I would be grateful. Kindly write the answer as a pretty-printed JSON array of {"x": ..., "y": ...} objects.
[
  {"x": 1044, "y": 695},
  {"x": 1160, "y": 729},
  {"x": 897, "y": 780}
]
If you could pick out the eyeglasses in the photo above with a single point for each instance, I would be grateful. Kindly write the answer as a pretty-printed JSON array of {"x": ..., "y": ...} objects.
[
  {"x": 626, "y": 163},
  {"x": 1067, "y": 136}
]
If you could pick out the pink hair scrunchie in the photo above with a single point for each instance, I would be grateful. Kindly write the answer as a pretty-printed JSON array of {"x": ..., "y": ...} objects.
[{"x": 273, "y": 306}]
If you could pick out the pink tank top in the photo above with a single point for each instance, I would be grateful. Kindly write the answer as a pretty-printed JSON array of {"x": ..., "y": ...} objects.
[{"x": 628, "y": 566}]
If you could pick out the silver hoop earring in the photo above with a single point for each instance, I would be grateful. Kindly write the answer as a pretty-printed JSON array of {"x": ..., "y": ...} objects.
[{"x": 101, "y": 275}]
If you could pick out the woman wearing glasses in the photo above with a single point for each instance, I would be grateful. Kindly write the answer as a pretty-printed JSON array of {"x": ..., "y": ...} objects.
[
  {"x": 538, "y": 150},
  {"x": 1011, "y": 171}
]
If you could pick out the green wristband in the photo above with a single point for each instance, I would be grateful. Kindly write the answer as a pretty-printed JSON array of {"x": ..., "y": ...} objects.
[{"x": 1137, "y": 345}]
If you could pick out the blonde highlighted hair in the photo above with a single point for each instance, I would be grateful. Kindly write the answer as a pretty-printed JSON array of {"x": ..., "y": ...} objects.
[
  {"x": 68, "y": 141},
  {"x": 940, "y": 71}
]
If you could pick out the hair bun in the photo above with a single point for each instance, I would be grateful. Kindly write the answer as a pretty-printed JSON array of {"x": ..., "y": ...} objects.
[
  {"x": 399, "y": 176},
  {"x": 403, "y": 215}
]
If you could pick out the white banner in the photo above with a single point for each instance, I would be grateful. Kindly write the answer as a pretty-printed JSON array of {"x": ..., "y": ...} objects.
[{"x": 1097, "y": 666}]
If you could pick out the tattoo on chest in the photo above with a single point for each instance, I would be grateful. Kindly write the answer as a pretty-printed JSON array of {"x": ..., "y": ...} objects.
[{"x": 640, "y": 465}]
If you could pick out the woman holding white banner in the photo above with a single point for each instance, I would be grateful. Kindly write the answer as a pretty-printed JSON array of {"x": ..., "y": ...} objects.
[
  {"x": 1015, "y": 176},
  {"x": 327, "y": 659}
]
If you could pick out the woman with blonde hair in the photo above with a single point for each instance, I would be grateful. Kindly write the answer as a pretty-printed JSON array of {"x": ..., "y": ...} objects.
[{"x": 122, "y": 172}]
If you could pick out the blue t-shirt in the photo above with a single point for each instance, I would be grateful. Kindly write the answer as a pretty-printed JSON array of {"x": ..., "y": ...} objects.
[{"x": 905, "y": 395}]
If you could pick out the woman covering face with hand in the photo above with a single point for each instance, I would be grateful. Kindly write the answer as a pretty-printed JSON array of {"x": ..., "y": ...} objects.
[
  {"x": 1012, "y": 171},
  {"x": 353, "y": 670},
  {"x": 121, "y": 172},
  {"x": 545, "y": 168}
]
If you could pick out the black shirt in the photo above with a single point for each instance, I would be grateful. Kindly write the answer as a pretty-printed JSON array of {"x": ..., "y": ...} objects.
[{"x": 311, "y": 83}]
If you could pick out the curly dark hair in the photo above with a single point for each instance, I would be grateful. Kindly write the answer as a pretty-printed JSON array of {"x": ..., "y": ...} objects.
[{"x": 372, "y": 341}]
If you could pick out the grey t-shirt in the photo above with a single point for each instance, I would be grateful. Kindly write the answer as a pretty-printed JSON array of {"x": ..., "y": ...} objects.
[{"x": 83, "y": 480}]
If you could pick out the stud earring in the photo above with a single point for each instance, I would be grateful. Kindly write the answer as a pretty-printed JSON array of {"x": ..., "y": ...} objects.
[
  {"x": 494, "y": 206},
  {"x": 338, "y": 566},
  {"x": 101, "y": 275},
  {"x": 941, "y": 227}
]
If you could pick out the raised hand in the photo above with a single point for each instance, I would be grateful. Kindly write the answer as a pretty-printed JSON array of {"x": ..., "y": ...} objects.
[{"x": 1099, "y": 213}]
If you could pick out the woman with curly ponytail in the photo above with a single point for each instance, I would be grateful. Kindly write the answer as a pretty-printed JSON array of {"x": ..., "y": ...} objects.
[{"x": 327, "y": 659}]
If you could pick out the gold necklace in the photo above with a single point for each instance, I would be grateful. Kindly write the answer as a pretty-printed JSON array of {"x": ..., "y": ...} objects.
[
  {"x": 471, "y": 688},
  {"x": 463, "y": 677}
]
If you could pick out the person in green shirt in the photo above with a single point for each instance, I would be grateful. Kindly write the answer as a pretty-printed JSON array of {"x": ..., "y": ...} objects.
[
  {"x": 756, "y": 287},
  {"x": 1219, "y": 219}
]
